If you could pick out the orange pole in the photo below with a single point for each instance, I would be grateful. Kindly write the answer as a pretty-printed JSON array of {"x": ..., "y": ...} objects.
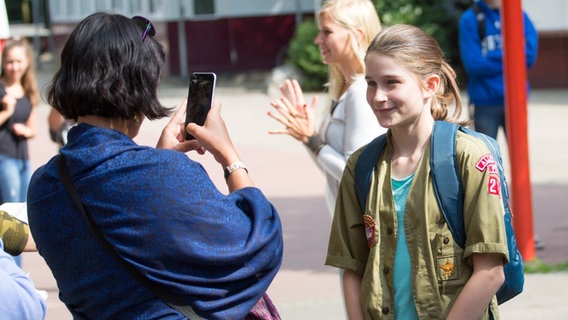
[{"x": 515, "y": 77}]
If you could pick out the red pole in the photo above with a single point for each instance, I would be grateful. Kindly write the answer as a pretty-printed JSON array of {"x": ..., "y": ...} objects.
[{"x": 515, "y": 77}]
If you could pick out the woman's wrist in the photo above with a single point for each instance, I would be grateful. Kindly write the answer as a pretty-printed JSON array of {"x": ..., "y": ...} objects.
[
  {"x": 315, "y": 143},
  {"x": 237, "y": 165}
]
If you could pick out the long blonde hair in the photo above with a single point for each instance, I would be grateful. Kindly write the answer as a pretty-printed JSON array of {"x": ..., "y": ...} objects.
[
  {"x": 418, "y": 52},
  {"x": 351, "y": 15},
  {"x": 29, "y": 80}
]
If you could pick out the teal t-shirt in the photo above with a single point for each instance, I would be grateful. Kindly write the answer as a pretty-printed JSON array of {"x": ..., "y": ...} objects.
[{"x": 404, "y": 307}]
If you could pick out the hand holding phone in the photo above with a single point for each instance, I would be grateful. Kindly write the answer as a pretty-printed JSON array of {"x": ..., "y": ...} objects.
[{"x": 199, "y": 98}]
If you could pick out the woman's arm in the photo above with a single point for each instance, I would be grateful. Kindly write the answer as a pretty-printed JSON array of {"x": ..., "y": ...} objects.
[
  {"x": 352, "y": 294},
  {"x": 486, "y": 279},
  {"x": 28, "y": 129},
  {"x": 212, "y": 136},
  {"x": 19, "y": 298},
  {"x": 7, "y": 107}
]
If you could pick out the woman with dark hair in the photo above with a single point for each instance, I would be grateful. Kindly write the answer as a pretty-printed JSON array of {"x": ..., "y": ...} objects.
[{"x": 163, "y": 217}]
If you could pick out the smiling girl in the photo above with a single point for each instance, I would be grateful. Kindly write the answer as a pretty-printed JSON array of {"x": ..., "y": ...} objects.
[{"x": 403, "y": 270}]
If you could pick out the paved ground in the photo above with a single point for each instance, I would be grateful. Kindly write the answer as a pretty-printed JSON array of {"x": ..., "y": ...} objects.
[{"x": 304, "y": 288}]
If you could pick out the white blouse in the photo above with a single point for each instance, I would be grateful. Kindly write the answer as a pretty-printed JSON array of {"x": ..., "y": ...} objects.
[{"x": 351, "y": 126}]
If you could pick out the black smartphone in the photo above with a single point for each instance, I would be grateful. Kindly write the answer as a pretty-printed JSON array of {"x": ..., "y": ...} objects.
[{"x": 199, "y": 98}]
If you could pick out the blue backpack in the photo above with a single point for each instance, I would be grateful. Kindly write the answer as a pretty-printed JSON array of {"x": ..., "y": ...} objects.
[{"x": 449, "y": 192}]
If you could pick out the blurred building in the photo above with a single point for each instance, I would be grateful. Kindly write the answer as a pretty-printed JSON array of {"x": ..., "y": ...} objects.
[
  {"x": 216, "y": 35},
  {"x": 550, "y": 17},
  {"x": 242, "y": 35}
]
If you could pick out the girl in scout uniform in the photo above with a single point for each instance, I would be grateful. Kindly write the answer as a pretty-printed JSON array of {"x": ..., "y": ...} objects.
[{"x": 399, "y": 258}]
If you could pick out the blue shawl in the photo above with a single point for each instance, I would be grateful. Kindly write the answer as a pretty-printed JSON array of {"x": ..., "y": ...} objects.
[{"x": 217, "y": 252}]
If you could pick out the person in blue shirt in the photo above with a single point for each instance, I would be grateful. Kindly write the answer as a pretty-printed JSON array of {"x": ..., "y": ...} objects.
[
  {"x": 19, "y": 298},
  {"x": 481, "y": 51}
]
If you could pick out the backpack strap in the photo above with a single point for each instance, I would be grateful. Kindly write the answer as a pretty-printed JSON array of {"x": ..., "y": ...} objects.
[
  {"x": 364, "y": 168},
  {"x": 446, "y": 177},
  {"x": 514, "y": 270},
  {"x": 480, "y": 17}
]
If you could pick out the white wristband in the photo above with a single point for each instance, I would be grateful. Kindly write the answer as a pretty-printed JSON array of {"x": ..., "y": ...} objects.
[{"x": 234, "y": 166}]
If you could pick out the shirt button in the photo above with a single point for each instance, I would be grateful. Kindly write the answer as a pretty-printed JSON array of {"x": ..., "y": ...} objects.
[
  {"x": 386, "y": 270},
  {"x": 385, "y": 310},
  {"x": 389, "y": 231},
  {"x": 446, "y": 240}
]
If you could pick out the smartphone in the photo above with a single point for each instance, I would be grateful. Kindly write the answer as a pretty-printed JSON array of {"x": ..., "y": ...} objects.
[{"x": 199, "y": 98}]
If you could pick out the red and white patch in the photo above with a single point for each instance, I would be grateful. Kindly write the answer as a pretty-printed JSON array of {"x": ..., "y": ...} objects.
[
  {"x": 369, "y": 229},
  {"x": 494, "y": 185},
  {"x": 493, "y": 169},
  {"x": 484, "y": 162}
]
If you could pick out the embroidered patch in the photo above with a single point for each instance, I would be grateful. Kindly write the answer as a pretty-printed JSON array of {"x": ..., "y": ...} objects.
[
  {"x": 447, "y": 268},
  {"x": 484, "y": 162},
  {"x": 492, "y": 169},
  {"x": 369, "y": 229},
  {"x": 494, "y": 186}
]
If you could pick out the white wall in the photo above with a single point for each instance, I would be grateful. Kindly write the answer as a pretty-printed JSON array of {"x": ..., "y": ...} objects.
[
  {"x": 161, "y": 10},
  {"x": 255, "y": 8},
  {"x": 4, "y": 26},
  {"x": 547, "y": 15}
]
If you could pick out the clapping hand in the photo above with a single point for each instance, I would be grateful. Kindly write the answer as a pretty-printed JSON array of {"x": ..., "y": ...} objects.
[{"x": 293, "y": 112}]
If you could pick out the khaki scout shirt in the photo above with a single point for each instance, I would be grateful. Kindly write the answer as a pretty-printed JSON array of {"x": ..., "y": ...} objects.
[
  {"x": 440, "y": 268},
  {"x": 14, "y": 233}
]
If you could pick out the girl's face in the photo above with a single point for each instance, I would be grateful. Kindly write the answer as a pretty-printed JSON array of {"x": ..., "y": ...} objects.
[
  {"x": 333, "y": 41},
  {"x": 396, "y": 95},
  {"x": 15, "y": 64}
]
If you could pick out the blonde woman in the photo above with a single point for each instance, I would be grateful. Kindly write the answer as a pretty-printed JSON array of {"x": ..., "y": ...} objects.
[{"x": 346, "y": 27}]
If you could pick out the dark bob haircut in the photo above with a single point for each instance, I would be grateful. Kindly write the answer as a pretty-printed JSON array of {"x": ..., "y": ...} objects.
[{"x": 107, "y": 70}]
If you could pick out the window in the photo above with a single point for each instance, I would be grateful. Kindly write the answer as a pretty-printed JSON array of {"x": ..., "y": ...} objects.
[{"x": 204, "y": 7}]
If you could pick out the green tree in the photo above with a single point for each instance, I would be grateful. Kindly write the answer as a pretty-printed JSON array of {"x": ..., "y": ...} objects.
[{"x": 304, "y": 54}]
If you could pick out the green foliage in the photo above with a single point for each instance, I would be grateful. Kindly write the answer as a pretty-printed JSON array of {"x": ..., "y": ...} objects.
[
  {"x": 539, "y": 266},
  {"x": 304, "y": 54},
  {"x": 437, "y": 17}
]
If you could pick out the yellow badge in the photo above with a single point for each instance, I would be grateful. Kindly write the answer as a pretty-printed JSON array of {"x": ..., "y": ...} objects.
[{"x": 447, "y": 268}]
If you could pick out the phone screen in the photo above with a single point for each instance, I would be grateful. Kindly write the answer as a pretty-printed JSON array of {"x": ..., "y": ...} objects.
[{"x": 199, "y": 98}]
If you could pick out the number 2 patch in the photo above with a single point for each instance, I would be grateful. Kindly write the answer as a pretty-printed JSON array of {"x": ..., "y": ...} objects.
[{"x": 494, "y": 184}]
